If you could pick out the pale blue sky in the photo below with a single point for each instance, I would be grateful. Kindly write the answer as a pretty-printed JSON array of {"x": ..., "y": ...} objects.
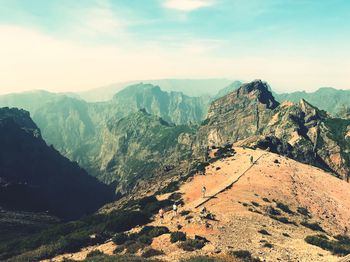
[{"x": 63, "y": 45}]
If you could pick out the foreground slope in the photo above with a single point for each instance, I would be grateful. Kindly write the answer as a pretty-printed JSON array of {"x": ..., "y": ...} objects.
[
  {"x": 35, "y": 177},
  {"x": 268, "y": 208}
]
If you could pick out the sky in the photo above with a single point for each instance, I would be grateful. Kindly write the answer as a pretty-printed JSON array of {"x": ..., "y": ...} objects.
[{"x": 64, "y": 45}]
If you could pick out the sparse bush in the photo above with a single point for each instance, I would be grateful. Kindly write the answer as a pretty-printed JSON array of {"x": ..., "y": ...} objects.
[
  {"x": 175, "y": 196},
  {"x": 184, "y": 212},
  {"x": 244, "y": 255},
  {"x": 336, "y": 247},
  {"x": 150, "y": 252},
  {"x": 134, "y": 246},
  {"x": 264, "y": 232},
  {"x": 273, "y": 212},
  {"x": 153, "y": 232},
  {"x": 177, "y": 236},
  {"x": 268, "y": 245},
  {"x": 312, "y": 226},
  {"x": 94, "y": 253},
  {"x": 284, "y": 208},
  {"x": 255, "y": 203},
  {"x": 284, "y": 220},
  {"x": 145, "y": 239},
  {"x": 266, "y": 200},
  {"x": 120, "y": 238},
  {"x": 202, "y": 259},
  {"x": 303, "y": 211},
  {"x": 285, "y": 234},
  {"x": 118, "y": 249},
  {"x": 192, "y": 244}
]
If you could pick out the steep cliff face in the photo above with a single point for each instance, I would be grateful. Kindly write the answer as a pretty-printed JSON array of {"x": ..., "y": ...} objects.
[
  {"x": 136, "y": 146},
  {"x": 252, "y": 116},
  {"x": 239, "y": 114},
  {"x": 35, "y": 177}
]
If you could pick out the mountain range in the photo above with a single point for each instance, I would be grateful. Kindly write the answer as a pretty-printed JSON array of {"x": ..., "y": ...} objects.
[{"x": 146, "y": 149}]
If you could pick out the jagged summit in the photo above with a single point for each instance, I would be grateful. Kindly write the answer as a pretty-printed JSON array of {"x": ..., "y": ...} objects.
[
  {"x": 300, "y": 130},
  {"x": 261, "y": 91}
]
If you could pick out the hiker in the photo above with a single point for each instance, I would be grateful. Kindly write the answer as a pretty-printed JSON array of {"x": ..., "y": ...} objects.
[
  {"x": 161, "y": 215},
  {"x": 175, "y": 209},
  {"x": 204, "y": 189},
  {"x": 251, "y": 159}
]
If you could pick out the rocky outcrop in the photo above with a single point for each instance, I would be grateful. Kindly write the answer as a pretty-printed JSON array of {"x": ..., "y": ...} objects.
[
  {"x": 252, "y": 116},
  {"x": 238, "y": 115}
]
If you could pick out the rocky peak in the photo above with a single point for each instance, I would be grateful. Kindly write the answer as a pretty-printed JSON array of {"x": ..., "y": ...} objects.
[{"x": 260, "y": 91}]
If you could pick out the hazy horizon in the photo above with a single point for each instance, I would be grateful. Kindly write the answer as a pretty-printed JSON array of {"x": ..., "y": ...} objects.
[{"x": 65, "y": 46}]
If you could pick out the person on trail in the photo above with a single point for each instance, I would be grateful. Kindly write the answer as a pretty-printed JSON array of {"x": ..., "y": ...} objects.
[
  {"x": 161, "y": 215},
  {"x": 251, "y": 160},
  {"x": 175, "y": 209},
  {"x": 204, "y": 189}
]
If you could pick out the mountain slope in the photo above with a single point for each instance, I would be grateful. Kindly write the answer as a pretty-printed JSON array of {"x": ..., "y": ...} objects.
[
  {"x": 268, "y": 208},
  {"x": 134, "y": 147},
  {"x": 35, "y": 177}
]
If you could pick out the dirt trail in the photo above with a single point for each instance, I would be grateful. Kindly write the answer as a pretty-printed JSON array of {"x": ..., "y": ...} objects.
[{"x": 228, "y": 182}]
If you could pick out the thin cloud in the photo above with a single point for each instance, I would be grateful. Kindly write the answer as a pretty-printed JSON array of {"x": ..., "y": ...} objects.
[{"x": 187, "y": 5}]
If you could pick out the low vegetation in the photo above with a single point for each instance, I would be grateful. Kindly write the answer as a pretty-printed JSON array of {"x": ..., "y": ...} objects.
[
  {"x": 312, "y": 226},
  {"x": 339, "y": 246},
  {"x": 284, "y": 208},
  {"x": 264, "y": 232},
  {"x": 244, "y": 255},
  {"x": 192, "y": 244},
  {"x": 177, "y": 236}
]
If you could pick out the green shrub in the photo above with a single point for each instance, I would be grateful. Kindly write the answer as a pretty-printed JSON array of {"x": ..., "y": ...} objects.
[
  {"x": 343, "y": 239},
  {"x": 266, "y": 200},
  {"x": 264, "y": 232},
  {"x": 150, "y": 252},
  {"x": 340, "y": 246},
  {"x": 202, "y": 259},
  {"x": 255, "y": 203},
  {"x": 244, "y": 255},
  {"x": 268, "y": 245},
  {"x": 120, "y": 238},
  {"x": 303, "y": 211},
  {"x": 94, "y": 253},
  {"x": 177, "y": 236},
  {"x": 133, "y": 246},
  {"x": 119, "y": 249},
  {"x": 175, "y": 196},
  {"x": 192, "y": 244},
  {"x": 273, "y": 212},
  {"x": 145, "y": 239},
  {"x": 152, "y": 231},
  {"x": 312, "y": 226},
  {"x": 284, "y": 220},
  {"x": 184, "y": 212},
  {"x": 284, "y": 208}
]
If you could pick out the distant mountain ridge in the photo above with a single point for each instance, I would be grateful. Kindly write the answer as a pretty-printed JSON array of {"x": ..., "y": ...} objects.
[
  {"x": 189, "y": 87},
  {"x": 325, "y": 98}
]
